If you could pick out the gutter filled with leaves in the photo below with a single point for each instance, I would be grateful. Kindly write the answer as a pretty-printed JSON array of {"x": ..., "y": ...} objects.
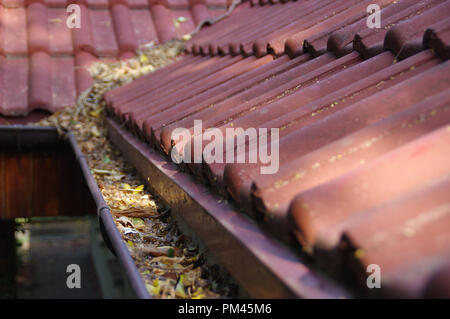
[{"x": 170, "y": 264}]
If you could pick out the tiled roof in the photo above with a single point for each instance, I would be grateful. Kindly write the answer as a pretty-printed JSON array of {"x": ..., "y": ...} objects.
[
  {"x": 364, "y": 128},
  {"x": 42, "y": 61},
  {"x": 299, "y": 26}
]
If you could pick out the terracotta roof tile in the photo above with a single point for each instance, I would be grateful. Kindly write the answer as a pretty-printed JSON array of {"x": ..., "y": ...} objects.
[
  {"x": 110, "y": 29},
  {"x": 363, "y": 117},
  {"x": 405, "y": 38},
  {"x": 60, "y": 38},
  {"x": 63, "y": 82},
  {"x": 340, "y": 41},
  {"x": 273, "y": 194},
  {"x": 14, "y": 85},
  {"x": 94, "y": 4},
  {"x": 83, "y": 38},
  {"x": 438, "y": 286},
  {"x": 164, "y": 26},
  {"x": 104, "y": 41},
  {"x": 143, "y": 26},
  {"x": 437, "y": 37},
  {"x": 297, "y": 24},
  {"x": 369, "y": 42},
  {"x": 360, "y": 189},
  {"x": 40, "y": 81},
  {"x": 83, "y": 79},
  {"x": 403, "y": 235},
  {"x": 14, "y": 40},
  {"x": 13, "y": 3},
  {"x": 363, "y": 114},
  {"x": 37, "y": 24}
]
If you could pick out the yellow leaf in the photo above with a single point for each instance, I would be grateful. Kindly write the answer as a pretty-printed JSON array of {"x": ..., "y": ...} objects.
[
  {"x": 143, "y": 58},
  {"x": 153, "y": 290},
  {"x": 95, "y": 131},
  {"x": 96, "y": 113},
  {"x": 138, "y": 189},
  {"x": 125, "y": 186},
  {"x": 179, "y": 290}
]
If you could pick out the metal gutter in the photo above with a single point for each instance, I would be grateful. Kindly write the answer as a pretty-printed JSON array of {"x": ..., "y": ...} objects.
[
  {"x": 33, "y": 136},
  {"x": 260, "y": 264},
  {"x": 109, "y": 230},
  {"x": 23, "y": 135}
]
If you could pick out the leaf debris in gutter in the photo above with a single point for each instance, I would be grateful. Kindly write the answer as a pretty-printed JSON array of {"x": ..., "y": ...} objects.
[{"x": 169, "y": 263}]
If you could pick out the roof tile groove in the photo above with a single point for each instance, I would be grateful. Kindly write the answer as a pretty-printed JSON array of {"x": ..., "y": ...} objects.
[
  {"x": 40, "y": 94},
  {"x": 108, "y": 29}
]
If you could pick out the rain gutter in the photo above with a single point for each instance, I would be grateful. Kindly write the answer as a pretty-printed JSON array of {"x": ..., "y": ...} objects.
[
  {"x": 260, "y": 264},
  {"x": 21, "y": 136}
]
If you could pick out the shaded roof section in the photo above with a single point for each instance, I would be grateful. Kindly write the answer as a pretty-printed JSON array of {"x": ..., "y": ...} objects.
[
  {"x": 363, "y": 119},
  {"x": 42, "y": 61}
]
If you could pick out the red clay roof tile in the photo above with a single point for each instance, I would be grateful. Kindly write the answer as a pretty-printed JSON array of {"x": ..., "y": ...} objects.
[
  {"x": 124, "y": 28},
  {"x": 37, "y": 24},
  {"x": 83, "y": 37},
  {"x": 112, "y": 29},
  {"x": 83, "y": 78},
  {"x": 406, "y": 237},
  {"x": 13, "y": 3},
  {"x": 273, "y": 194},
  {"x": 63, "y": 83},
  {"x": 405, "y": 38},
  {"x": 360, "y": 131},
  {"x": 163, "y": 22},
  {"x": 438, "y": 286},
  {"x": 143, "y": 26},
  {"x": 40, "y": 81},
  {"x": 60, "y": 38},
  {"x": 14, "y": 31},
  {"x": 369, "y": 42},
  {"x": 346, "y": 124},
  {"x": 437, "y": 37},
  {"x": 384, "y": 179},
  {"x": 14, "y": 81},
  {"x": 340, "y": 42}
]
